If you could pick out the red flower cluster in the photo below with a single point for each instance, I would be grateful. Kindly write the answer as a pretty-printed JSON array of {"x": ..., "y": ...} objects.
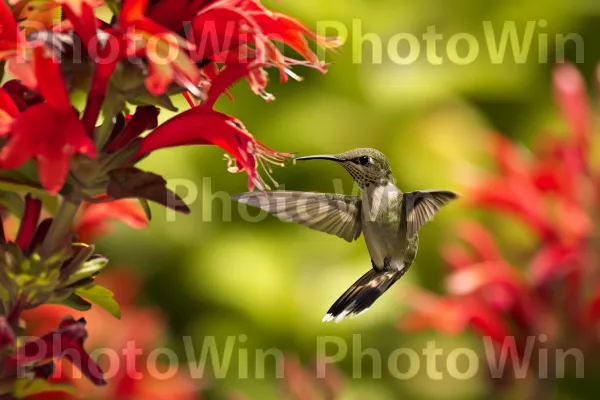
[
  {"x": 51, "y": 145},
  {"x": 555, "y": 289},
  {"x": 225, "y": 41},
  {"x": 131, "y": 376},
  {"x": 28, "y": 281}
]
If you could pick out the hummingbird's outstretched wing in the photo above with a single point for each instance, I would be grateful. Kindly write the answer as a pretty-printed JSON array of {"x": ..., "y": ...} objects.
[
  {"x": 330, "y": 213},
  {"x": 420, "y": 207}
]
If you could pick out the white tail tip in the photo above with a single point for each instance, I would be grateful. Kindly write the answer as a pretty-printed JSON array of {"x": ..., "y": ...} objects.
[{"x": 327, "y": 318}]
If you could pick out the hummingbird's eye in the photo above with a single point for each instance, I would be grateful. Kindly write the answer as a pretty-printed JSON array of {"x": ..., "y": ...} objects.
[{"x": 364, "y": 160}]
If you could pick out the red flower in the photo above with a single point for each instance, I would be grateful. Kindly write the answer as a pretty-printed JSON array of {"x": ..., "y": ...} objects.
[
  {"x": 29, "y": 222},
  {"x": 49, "y": 132},
  {"x": 144, "y": 118},
  {"x": 244, "y": 31},
  {"x": 95, "y": 219},
  {"x": 300, "y": 383},
  {"x": 546, "y": 291},
  {"x": 165, "y": 51},
  {"x": 452, "y": 315},
  {"x": 8, "y": 112},
  {"x": 132, "y": 380},
  {"x": 201, "y": 125},
  {"x": 66, "y": 341},
  {"x": 13, "y": 47}
]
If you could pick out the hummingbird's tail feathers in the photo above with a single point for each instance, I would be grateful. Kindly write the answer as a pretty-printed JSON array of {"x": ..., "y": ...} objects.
[{"x": 362, "y": 294}]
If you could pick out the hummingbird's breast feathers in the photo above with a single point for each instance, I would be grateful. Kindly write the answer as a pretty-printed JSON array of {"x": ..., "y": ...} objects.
[{"x": 381, "y": 203}]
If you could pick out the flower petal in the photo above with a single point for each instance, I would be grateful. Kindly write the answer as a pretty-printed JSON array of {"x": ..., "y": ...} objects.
[
  {"x": 200, "y": 126},
  {"x": 63, "y": 137},
  {"x": 96, "y": 219},
  {"x": 67, "y": 341},
  {"x": 50, "y": 82},
  {"x": 571, "y": 95},
  {"x": 144, "y": 118},
  {"x": 31, "y": 216}
]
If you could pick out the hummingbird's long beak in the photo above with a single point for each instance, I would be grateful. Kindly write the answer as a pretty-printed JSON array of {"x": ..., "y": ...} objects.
[{"x": 320, "y": 157}]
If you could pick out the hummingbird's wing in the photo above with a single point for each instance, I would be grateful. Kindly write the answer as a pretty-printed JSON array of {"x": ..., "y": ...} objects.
[
  {"x": 330, "y": 213},
  {"x": 421, "y": 206}
]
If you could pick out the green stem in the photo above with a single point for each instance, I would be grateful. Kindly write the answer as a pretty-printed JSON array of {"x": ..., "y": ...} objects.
[
  {"x": 61, "y": 224},
  {"x": 109, "y": 111}
]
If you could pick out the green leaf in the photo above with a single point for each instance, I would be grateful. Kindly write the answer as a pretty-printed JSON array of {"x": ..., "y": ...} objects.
[
  {"x": 102, "y": 297},
  {"x": 24, "y": 387},
  {"x": 88, "y": 270},
  {"x": 73, "y": 301},
  {"x": 13, "y": 202}
]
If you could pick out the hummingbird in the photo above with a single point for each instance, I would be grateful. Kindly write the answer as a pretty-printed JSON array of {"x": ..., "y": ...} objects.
[{"x": 388, "y": 218}]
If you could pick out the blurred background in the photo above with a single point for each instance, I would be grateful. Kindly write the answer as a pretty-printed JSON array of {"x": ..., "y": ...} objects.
[{"x": 215, "y": 274}]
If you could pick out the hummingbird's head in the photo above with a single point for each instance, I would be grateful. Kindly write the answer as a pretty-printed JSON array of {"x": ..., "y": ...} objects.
[{"x": 368, "y": 167}]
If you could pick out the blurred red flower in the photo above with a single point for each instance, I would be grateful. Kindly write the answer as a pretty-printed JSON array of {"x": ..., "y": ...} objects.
[
  {"x": 125, "y": 343},
  {"x": 554, "y": 290},
  {"x": 96, "y": 219}
]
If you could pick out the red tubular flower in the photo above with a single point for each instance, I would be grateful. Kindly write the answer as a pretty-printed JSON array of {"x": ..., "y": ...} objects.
[
  {"x": 144, "y": 118},
  {"x": 95, "y": 219},
  {"x": 300, "y": 383},
  {"x": 29, "y": 222},
  {"x": 13, "y": 47},
  {"x": 572, "y": 100},
  {"x": 451, "y": 315},
  {"x": 8, "y": 112},
  {"x": 202, "y": 125},
  {"x": 499, "y": 192},
  {"x": 67, "y": 341},
  {"x": 22, "y": 96},
  {"x": 165, "y": 51},
  {"x": 199, "y": 126},
  {"x": 244, "y": 31},
  {"x": 49, "y": 132},
  {"x": 545, "y": 292},
  {"x": 108, "y": 333}
]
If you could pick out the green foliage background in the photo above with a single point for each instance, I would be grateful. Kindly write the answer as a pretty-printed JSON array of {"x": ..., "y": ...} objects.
[{"x": 216, "y": 274}]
